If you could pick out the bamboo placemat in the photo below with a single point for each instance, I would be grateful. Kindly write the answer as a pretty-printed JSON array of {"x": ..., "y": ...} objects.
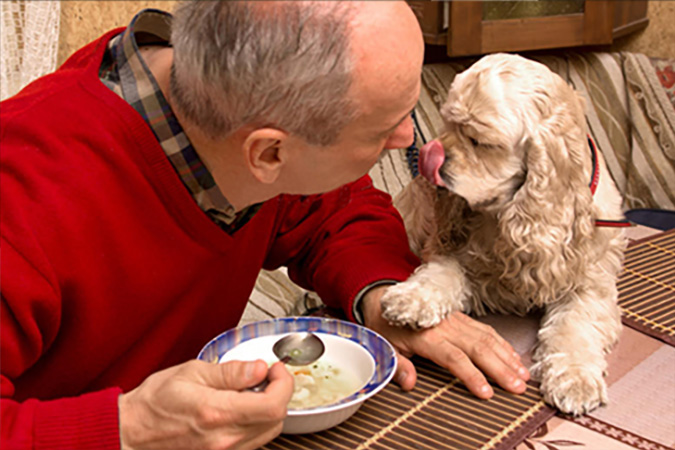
[
  {"x": 439, "y": 414},
  {"x": 647, "y": 286}
]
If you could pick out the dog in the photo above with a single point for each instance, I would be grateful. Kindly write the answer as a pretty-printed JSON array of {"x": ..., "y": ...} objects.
[{"x": 514, "y": 211}]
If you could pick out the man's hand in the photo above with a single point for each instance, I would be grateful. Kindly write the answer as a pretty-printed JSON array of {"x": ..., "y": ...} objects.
[
  {"x": 202, "y": 405},
  {"x": 466, "y": 347}
]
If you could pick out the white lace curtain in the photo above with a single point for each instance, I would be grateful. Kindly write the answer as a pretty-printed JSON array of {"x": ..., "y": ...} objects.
[{"x": 30, "y": 36}]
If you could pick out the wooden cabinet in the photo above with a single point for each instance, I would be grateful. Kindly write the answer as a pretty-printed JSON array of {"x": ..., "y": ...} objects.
[{"x": 480, "y": 27}]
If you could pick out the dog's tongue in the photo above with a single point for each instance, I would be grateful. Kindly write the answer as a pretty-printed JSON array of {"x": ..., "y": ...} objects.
[{"x": 430, "y": 162}]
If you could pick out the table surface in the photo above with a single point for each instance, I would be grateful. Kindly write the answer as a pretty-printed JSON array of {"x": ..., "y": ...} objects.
[{"x": 441, "y": 414}]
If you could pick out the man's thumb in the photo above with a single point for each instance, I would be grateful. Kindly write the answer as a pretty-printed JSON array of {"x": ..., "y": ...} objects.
[{"x": 240, "y": 375}]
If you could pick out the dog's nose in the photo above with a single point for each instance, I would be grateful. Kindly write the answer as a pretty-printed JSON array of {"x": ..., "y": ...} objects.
[{"x": 432, "y": 157}]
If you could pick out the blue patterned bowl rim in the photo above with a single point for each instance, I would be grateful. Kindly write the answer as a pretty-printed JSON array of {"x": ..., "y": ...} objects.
[{"x": 379, "y": 348}]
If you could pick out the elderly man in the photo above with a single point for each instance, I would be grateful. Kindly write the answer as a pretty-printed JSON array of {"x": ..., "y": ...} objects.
[{"x": 148, "y": 180}]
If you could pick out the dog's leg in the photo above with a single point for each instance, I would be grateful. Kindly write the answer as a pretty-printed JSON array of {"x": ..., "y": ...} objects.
[
  {"x": 435, "y": 290},
  {"x": 576, "y": 333}
]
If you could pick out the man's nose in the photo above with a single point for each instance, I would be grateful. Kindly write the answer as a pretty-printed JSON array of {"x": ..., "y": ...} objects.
[{"x": 403, "y": 136}]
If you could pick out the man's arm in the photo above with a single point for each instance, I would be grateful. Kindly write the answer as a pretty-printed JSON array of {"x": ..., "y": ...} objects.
[
  {"x": 193, "y": 405},
  {"x": 30, "y": 315},
  {"x": 85, "y": 422},
  {"x": 341, "y": 242}
]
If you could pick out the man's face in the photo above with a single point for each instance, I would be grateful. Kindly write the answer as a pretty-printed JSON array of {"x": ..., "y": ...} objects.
[{"x": 386, "y": 86}]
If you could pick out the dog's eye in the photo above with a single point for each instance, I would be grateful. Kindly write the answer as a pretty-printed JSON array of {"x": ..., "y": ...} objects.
[{"x": 473, "y": 142}]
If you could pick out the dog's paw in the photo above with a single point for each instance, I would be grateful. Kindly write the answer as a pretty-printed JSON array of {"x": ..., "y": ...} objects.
[
  {"x": 414, "y": 304},
  {"x": 577, "y": 390}
]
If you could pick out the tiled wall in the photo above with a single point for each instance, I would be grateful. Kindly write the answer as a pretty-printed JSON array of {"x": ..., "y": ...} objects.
[{"x": 83, "y": 21}]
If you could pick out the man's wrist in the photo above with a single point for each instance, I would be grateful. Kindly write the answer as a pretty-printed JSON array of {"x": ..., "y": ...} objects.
[
  {"x": 357, "y": 306},
  {"x": 123, "y": 411}
]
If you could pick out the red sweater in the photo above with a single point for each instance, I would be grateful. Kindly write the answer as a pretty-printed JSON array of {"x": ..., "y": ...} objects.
[{"x": 110, "y": 271}]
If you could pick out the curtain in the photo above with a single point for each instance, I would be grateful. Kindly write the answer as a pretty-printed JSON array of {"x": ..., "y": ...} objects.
[{"x": 30, "y": 35}]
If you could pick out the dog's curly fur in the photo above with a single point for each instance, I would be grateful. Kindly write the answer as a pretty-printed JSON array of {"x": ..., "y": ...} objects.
[{"x": 514, "y": 230}]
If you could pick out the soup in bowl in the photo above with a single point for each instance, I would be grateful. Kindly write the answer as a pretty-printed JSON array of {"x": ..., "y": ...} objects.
[{"x": 356, "y": 364}]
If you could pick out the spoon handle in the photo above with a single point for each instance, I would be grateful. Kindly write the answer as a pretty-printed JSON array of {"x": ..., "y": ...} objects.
[
  {"x": 260, "y": 386},
  {"x": 263, "y": 384}
]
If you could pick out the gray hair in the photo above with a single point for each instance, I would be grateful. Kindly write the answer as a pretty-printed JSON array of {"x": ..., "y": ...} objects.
[{"x": 286, "y": 65}]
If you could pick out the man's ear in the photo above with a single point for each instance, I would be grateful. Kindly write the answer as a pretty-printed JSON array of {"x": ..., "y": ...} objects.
[{"x": 264, "y": 153}]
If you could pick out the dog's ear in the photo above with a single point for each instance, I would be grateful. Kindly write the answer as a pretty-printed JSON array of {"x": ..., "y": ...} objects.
[
  {"x": 558, "y": 162},
  {"x": 547, "y": 224}
]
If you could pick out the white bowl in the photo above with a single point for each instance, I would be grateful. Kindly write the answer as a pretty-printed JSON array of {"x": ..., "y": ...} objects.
[{"x": 368, "y": 355}]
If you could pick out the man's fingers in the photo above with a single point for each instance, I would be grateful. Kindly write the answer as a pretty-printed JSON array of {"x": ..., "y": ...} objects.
[
  {"x": 483, "y": 355},
  {"x": 458, "y": 363},
  {"x": 503, "y": 350},
  {"x": 471, "y": 351},
  {"x": 489, "y": 351},
  {"x": 406, "y": 375},
  {"x": 495, "y": 356},
  {"x": 240, "y": 375},
  {"x": 485, "y": 349},
  {"x": 468, "y": 321},
  {"x": 232, "y": 375},
  {"x": 258, "y": 407},
  {"x": 281, "y": 383},
  {"x": 269, "y": 405}
]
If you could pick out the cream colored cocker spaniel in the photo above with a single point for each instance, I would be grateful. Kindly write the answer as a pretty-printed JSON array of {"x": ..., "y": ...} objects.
[{"x": 511, "y": 215}]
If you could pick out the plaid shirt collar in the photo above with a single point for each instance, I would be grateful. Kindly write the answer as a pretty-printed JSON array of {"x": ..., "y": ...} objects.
[{"x": 124, "y": 71}]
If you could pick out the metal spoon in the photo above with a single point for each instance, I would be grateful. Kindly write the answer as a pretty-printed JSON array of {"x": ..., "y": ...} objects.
[{"x": 296, "y": 349}]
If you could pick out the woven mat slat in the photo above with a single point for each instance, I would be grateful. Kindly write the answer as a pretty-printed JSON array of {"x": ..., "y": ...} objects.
[
  {"x": 647, "y": 286},
  {"x": 441, "y": 414}
]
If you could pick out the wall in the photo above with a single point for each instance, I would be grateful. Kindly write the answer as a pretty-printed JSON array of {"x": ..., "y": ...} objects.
[
  {"x": 83, "y": 21},
  {"x": 658, "y": 39}
]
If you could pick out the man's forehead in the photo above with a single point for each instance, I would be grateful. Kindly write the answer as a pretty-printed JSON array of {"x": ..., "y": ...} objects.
[{"x": 387, "y": 74}]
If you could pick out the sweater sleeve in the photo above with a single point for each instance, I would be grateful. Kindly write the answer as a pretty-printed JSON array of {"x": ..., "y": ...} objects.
[
  {"x": 338, "y": 243},
  {"x": 86, "y": 422},
  {"x": 30, "y": 319}
]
